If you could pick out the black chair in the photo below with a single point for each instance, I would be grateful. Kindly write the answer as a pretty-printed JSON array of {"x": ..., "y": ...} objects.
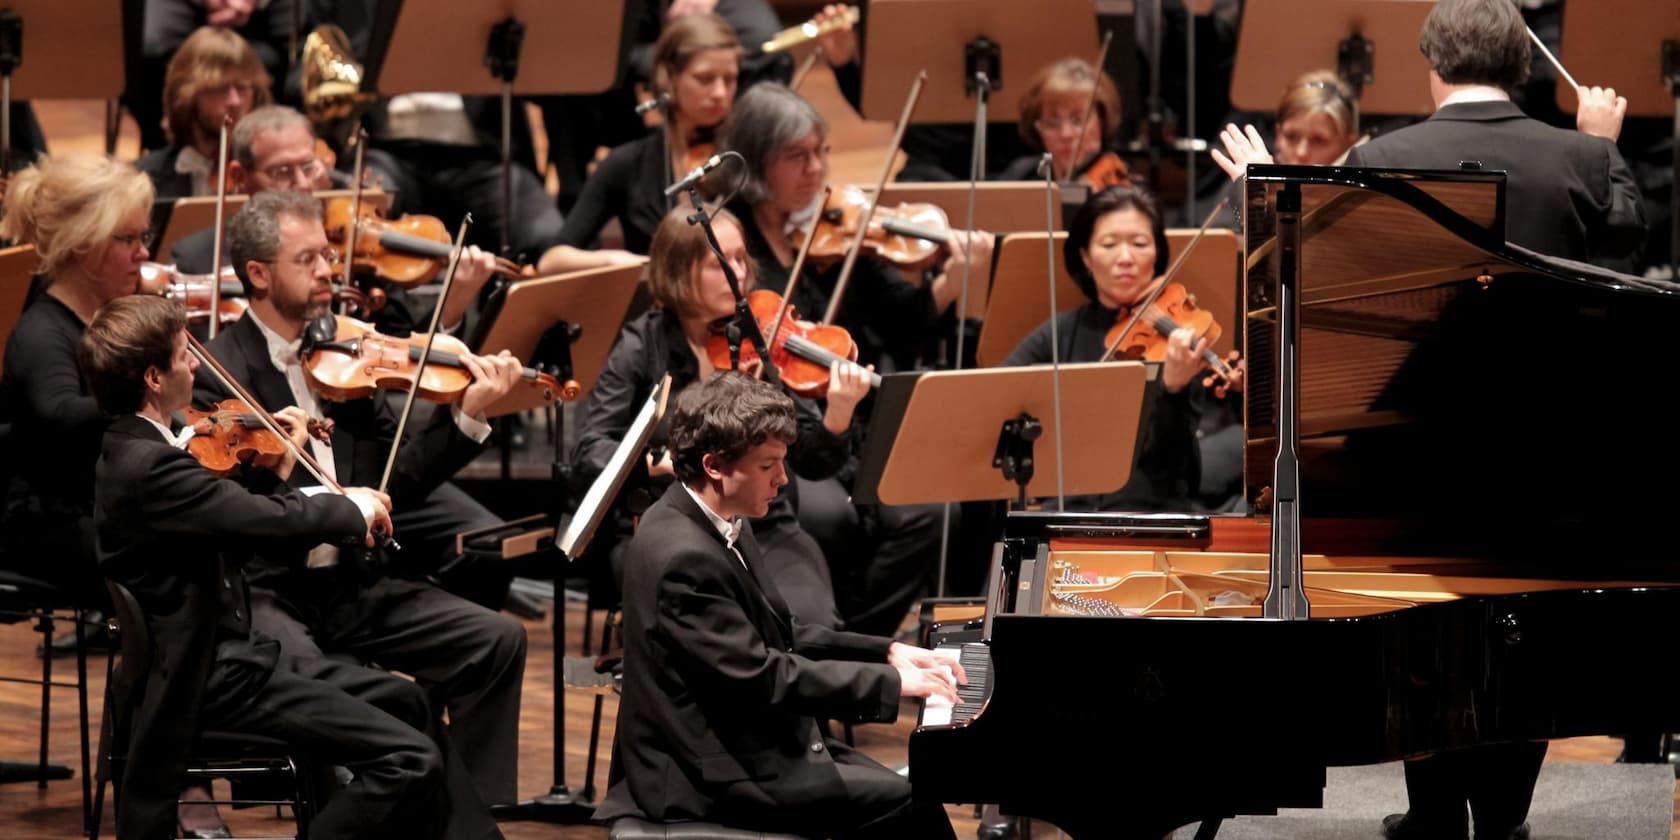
[
  {"x": 631, "y": 828},
  {"x": 24, "y": 598},
  {"x": 215, "y": 754}
]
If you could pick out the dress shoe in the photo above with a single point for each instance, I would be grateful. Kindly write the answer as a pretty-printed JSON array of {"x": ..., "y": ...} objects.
[
  {"x": 1404, "y": 827},
  {"x": 1000, "y": 831},
  {"x": 1518, "y": 833},
  {"x": 198, "y": 818}
]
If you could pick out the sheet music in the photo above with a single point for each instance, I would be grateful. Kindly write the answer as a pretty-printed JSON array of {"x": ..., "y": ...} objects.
[{"x": 606, "y": 486}]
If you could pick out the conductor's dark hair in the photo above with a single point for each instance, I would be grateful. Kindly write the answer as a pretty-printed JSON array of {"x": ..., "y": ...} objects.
[
  {"x": 1084, "y": 223},
  {"x": 1476, "y": 42},
  {"x": 127, "y": 337},
  {"x": 726, "y": 416}
]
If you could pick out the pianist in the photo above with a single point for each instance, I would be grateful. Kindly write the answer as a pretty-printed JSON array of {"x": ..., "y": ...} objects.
[
  {"x": 724, "y": 692},
  {"x": 1572, "y": 196}
]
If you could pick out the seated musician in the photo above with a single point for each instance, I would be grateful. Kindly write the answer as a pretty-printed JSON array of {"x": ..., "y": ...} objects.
[
  {"x": 215, "y": 75},
  {"x": 1052, "y": 110},
  {"x": 1116, "y": 251},
  {"x": 696, "y": 64},
  {"x": 1317, "y": 124},
  {"x": 724, "y": 687},
  {"x": 471, "y": 659},
  {"x": 692, "y": 295},
  {"x": 163, "y": 521}
]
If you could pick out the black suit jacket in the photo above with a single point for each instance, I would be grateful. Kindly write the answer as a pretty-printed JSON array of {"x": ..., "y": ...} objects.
[
  {"x": 163, "y": 523},
  {"x": 361, "y": 439},
  {"x": 1568, "y": 194},
  {"x": 722, "y": 687},
  {"x": 159, "y": 166}
]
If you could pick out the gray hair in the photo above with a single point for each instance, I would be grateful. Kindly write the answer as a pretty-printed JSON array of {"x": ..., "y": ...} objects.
[
  {"x": 253, "y": 234},
  {"x": 765, "y": 119},
  {"x": 269, "y": 119}
]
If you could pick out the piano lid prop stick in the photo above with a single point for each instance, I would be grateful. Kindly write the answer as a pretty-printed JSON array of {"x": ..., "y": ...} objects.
[{"x": 1552, "y": 58}]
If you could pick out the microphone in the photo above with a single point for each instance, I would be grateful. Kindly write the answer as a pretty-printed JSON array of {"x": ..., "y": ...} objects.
[
  {"x": 694, "y": 175},
  {"x": 1044, "y": 166},
  {"x": 659, "y": 101}
]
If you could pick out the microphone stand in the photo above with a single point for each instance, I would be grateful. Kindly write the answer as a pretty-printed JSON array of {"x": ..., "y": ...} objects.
[{"x": 743, "y": 323}]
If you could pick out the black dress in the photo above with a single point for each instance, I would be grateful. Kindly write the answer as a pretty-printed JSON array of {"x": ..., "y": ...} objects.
[{"x": 628, "y": 186}]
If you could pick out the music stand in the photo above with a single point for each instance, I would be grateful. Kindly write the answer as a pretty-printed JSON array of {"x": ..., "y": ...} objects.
[
  {"x": 1019, "y": 301},
  {"x": 17, "y": 271},
  {"x": 1281, "y": 39},
  {"x": 1644, "y": 67},
  {"x": 188, "y": 215},
  {"x": 954, "y": 436},
  {"x": 999, "y": 206},
  {"x": 443, "y": 44},
  {"x": 93, "y": 69}
]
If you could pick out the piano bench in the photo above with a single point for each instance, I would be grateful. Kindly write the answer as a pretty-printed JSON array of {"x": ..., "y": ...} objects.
[{"x": 631, "y": 828}]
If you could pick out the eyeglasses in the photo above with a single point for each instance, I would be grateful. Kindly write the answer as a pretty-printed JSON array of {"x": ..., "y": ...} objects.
[
  {"x": 288, "y": 172},
  {"x": 306, "y": 259},
  {"x": 1053, "y": 126},
  {"x": 142, "y": 239}
]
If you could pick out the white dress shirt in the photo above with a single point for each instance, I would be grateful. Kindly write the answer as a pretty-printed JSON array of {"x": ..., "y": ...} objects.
[{"x": 729, "y": 528}]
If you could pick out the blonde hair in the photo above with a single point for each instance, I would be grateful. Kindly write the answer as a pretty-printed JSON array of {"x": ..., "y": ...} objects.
[
  {"x": 676, "y": 253},
  {"x": 71, "y": 205},
  {"x": 1070, "y": 79},
  {"x": 209, "y": 58},
  {"x": 1320, "y": 92}
]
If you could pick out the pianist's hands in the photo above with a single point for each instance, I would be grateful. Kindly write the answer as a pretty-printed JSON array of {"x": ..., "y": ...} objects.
[
  {"x": 946, "y": 663},
  {"x": 1599, "y": 112}
]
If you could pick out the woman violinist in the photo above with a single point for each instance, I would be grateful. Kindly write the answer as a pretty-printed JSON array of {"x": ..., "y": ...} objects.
[
  {"x": 1116, "y": 249},
  {"x": 691, "y": 295},
  {"x": 697, "y": 61},
  {"x": 1053, "y": 119},
  {"x": 784, "y": 143}
]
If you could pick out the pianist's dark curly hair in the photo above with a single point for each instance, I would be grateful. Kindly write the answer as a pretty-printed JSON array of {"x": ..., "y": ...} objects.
[
  {"x": 726, "y": 416},
  {"x": 1476, "y": 42},
  {"x": 1085, "y": 221}
]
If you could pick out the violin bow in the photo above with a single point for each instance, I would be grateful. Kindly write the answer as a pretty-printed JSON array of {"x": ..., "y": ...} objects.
[
  {"x": 354, "y": 225},
  {"x": 1090, "y": 107},
  {"x": 798, "y": 266},
  {"x": 221, "y": 208},
  {"x": 425, "y": 351},
  {"x": 874, "y": 199},
  {"x": 232, "y": 385},
  {"x": 1160, "y": 285}
]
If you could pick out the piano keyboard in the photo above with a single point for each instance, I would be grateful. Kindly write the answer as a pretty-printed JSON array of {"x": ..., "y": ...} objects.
[{"x": 971, "y": 698}]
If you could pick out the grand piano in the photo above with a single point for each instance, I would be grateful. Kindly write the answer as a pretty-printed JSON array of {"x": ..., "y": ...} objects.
[{"x": 1460, "y": 485}]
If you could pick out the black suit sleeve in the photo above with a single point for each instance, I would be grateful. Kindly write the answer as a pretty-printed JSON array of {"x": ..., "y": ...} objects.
[
  {"x": 1621, "y": 240},
  {"x": 177, "y": 496},
  {"x": 715, "y": 644},
  {"x": 818, "y": 642}
]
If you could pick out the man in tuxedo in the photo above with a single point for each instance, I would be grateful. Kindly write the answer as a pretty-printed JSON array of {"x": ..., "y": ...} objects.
[
  {"x": 164, "y": 522},
  {"x": 471, "y": 660},
  {"x": 724, "y": 690},
  {"x": 1568, "y": 194},
  {"x": 215, "y": 76}
]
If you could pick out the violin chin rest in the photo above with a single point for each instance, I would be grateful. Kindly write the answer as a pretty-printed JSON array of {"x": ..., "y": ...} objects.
[{"x": 319, "y": 331}]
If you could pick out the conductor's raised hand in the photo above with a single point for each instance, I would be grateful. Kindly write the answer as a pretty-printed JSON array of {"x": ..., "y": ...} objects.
[
  {"x": 1243, "y": 146},
  {"x": 1599, "y": 112},
  {"x": 493, "y": 377}
]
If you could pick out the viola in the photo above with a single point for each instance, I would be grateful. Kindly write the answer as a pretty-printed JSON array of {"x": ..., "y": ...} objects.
[
  {"x": 193, "y": 291},
  {"x": 346, "y": 359},
  {"x": 405, "y": 251},
  {"x": 1108, "y": 170},
  {"x": 802, "y": 351},
  {"x": 911, "y": 236},
  {"x": 1146, "y": 338},
  {"x": 232, "y": 434}
]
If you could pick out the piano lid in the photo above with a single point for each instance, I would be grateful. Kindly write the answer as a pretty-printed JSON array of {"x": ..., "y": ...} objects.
[{"x": 1445, "y": 372}]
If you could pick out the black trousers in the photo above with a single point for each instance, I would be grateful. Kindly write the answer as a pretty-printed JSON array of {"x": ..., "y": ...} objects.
[
  {"x": 1496, "y": 780},
  {"x": 451, "y": 181},
  {"x": 469, "y": 660},
  {"x": 878, "y": 804},
  {"x": 881, "y": 557},
  {"x": 404, "y": 781},
  {"x": 427, "y": 533}
]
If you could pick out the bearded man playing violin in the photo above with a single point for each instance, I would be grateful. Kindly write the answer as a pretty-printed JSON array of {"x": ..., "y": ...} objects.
[
  {"x": 167, "y": 528},
  {"x": 470, "y": 659}
]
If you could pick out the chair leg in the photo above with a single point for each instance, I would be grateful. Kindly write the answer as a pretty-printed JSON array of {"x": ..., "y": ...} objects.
[
  {"x": 46, "y": 626},
  {"x": 82, "y": 700}
]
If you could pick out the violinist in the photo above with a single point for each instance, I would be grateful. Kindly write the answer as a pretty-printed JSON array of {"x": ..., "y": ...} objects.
[
  {"x": 322, "y": 601},
  {"x": 214, "y": 76},
  {"x": 692, "y": 294},
  {"x": 1116, "y": 249},
  {"x": 168, "y": 530},
  {"x": 784, "y": 142},
  {"x": 1053, "y": 119},
  {"x": 697, "y": 62}
]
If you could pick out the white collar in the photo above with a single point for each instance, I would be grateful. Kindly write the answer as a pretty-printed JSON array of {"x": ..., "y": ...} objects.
[
  {"x": 1475, "y": 93},
  {"x": 730, "y": 529},
  {"x": 280, "y": 351},
  {"x": 169, "y": 437},
  {"x": 201, "y": 168}
]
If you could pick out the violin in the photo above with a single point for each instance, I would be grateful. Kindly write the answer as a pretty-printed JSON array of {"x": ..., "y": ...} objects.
[
  {"x": 1108, "y": 170},
  {"x": 232, "y": 434},
  {"x": 405, "y": 251},
  {"x": 193, "y": 291},
  {"x": 802, "y": 351},
  {"x": 346, "y": 359},
  {"x": 1145, "y": 337},
  {"x": 913, "y": 237}
]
